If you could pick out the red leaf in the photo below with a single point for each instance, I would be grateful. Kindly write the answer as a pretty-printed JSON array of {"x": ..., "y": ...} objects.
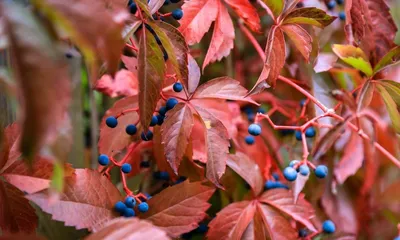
[
  {"x": 42, "y": 75},
  {"x": 351, "y": 160},
  {"x": 283, "y": 200},
  {"x": 32, "y": 180},
  {"x": 256, "y": 229},
  {"x": 16, "y": 214},
  {"x": 125, "y": 83},
  {"x": 197, "y": 18},
  {"x": 131, "y": 64},
  {"x": 222, "y": 38},
  {"x": 88, "y": 195},
  {"x": 176, "y": 131},
  {"x": 21, "y": 236},
  {"x": 278, "y": 227},
  {"x": 159, "y": 153},
  {"x": 298, "y": 185},
  {"x": 301, "y": 39},
  {"x": 179, "y": 208},
  {"x": 232, "y": 221},
  {"x": 151, "y": 74},
  {"x": 247, "y": 12},
  {"x": 128, "y": 228},
  {"x": 310, "y": 16},
  {"x": 222, "y": 88},
  {"x": 275, "y": 53},
  {"x": 10, "y": 149},
  {"x": 137, "y": 156},
  {"x": 217, "y": 145},
  {"x": 248, "y": 170},
  {"x": 194, "y": 74},
  {"x": 112, "y": 140}
]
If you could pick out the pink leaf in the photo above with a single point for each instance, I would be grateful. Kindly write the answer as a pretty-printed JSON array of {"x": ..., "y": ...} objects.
[
  {"x": 125, "y": 83},
  {"x": 324, "y": 62},
  {"x": 247, "y": 12},
  {"x": 194, "y": 74}
]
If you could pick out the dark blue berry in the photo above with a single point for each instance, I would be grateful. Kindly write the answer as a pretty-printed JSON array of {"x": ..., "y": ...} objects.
[
  {"x": 177, "y": 14},
  {"x": 129, "y": 212},
  {"x": 269, "y": 185},
  {"x": 147, "y": 136},
  {"x": 144, "y": 164},
  {"x": 160, "y": 119},
  {"x": 321, "y": 171},
  {"x": 162, "y": 111},
  {"x": 131, "y": 129},
  {"x": 342, "y": 16},
  {"x": 254, "y": 129},
  {"x": 303, "y": 232},
  {"x": 120, "y": 207},
  {"x": 129, "y": 3},
  {"x": 103, "y": 160},
  {"x": 202, "y": 228},
  {"x": 175, "y": 1},
  {"x": 177, "y": 87},
  {"x": 143, "y": 207},
  {"x": 304, "y": 170},
  {"x": 275, "y": 176},
  {"x": 302, "y": 102},
  {"x": 340, "y": 2},
  {"x": 328, "y": 226},
  {"x": 298, "y": 135},
  {"x": 251, "y": 117},
  {"x": 281, "y": 185},
  {"x": 133, "y": 8},
  {"x": 171, "y": 102},
  {"x": 331, "y": 4},
  {"x": 126, "y": 168},
  {"x": 293, "y": 162},
  {"x": 290, "y": 174},
  {"x": 163, "y": 175},
  {"x": 166, "y": 2},
  {"x": 261, "y": 110},
  {"x": 249, "y": 140},
  {"x": 130, "y": 202},
  {"x": 247, "y": 110},
  {"x": 68, "y": 55},
  {"x": 154, "y": 121},
  {"x": 286, "y": 132},
  {"x": 310, "y": 132},
  {"x": 111, "y": 122}
]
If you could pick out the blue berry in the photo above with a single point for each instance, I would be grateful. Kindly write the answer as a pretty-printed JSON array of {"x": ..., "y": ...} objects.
[
  {"x": 275, "y": 176},
  {"x": 310, "y": 132},
  {"x": 129, "y": 212},
  {"x": 304, "y": 170},
  {"x": 290, "y": 174},
  {"x": 249, "y": 140},
  {"x": 130, "y": 202},
  {"x": 129, "y": 3},
  {"x": 144, "y": 164},
  {"x": 160, "y": 119},
  {"x": 331, "y": 4},
  {"x": 281, "y": 185},
  {"x": 302, "y": 102},
  {"x": 328, "y": 226},
  {"x": 254, "y": 129},
  {"x": 120, "y": 207},
  {"x": 147, "y": 136},
  {"x": 397, "y": 238},
  {"x": 177, "y": 14},
  {"x": 143, "y": 207},
  {"x": 340, "y": 2},
  {"x": 298, "y": 135},
  {"x": 103, "y": 160},
  {"x": 177, "y": 87},
  {"x": 202, "y": 228},
  {"x": 251, "y": 117},
  {"x": 171, "y": 102},
  {"x": 154, "y": 121},
  {"x": 269, "y": 185},
  {"x": 166, "y": 2},
  {"x": 342, "y": 16},
  {"x": 162, "y": 111},
  {"x": 303, "y": 232},
  {"x": 321, "y": 171},
  {"x": 111, "y": 122},
  {"x": 247, "y": 110},
  {"x": 131, "y": 129},
  {"x": 132, "y": 8},
  {"x": 261, "y": 110},
  {"x": 126, "y": 168},
  {"x": 180, "y": 179},
  {"x": 163, "y": 175},
  {"x": 293, "y": 162},
  {"x": 285, "y": 132}
]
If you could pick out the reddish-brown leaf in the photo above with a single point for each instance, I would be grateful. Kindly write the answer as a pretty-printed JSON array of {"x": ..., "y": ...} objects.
[
  {"x": 222, "y": 38},
  {"x": 179, "y": 209},
  {"x": 128, "y": 229},
  {"x": 248, "y": 170},
  {"x": 222, "y": 88},
  {"x": 283, "y": 200},
  {"x": 370, "y": 26},
  {"x": 275, "y": 52},
  {"x": 88, "y": 195},
  {"x": 16, "y": 214},
  {"x": 247, "y": 12},
  {"x": 176, "y": 131},
  {"x": 310, "y": 16},
  {"x": 131, "y": 64},
  {"x": 232, "y": 221},
  {"x": 351, "y": 160},
  {"x": 151, "y": 74},
  {"x": 278, "y": 227},
  {"x": 21, "y": 236},
  {"x": 256, "y": 229},
  {"x": 364, "y": 98},
  {"x": 125, "y": 83},
  {"x": 300, "y": 38},
  {"x": 217, "y": 145},
  {"x": 41, "y": 74},
  {"x": 197, "y": 18},
  {"x": 35, "y": 179},
  {"x": 112, "y": 140},
  {"x": 159, "y": 153},
  {"x": 9, "y": 152}
]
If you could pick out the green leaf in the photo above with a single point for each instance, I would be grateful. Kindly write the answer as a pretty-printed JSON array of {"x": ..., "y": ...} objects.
[
  {"x": 151, "y": 74},
  {"x": 175, "y": 45},
  {"x": 311, "y": 16},
  {"x": 276, "y": 6},
  {"x": 390, "y": 58},
  {"x": 364, "y": 98},
  {"x": 142, "y": 4},
  {"x": 57, "y": 180},
  {"x": 391, "y": 107},
  {"x": 353, "y": 56},
  {"x": 393, "y": 89}
]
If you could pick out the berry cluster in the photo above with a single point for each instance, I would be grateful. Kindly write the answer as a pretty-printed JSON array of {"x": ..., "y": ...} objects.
[
  {"x": 327, "y": 227},
  {"x": 254, "y": 130},
  {"x": 126, "y": 208},
  {"x": 295, "y": 166},
  {"x": 269, "y": 184},
  {"x": 251, "y": 112},
  {"x": 310, "y": 133},
  {"x": 331, "y": 6}
]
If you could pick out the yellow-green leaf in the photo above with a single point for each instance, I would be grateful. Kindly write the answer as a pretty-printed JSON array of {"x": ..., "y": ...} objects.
[
  {"x": 353, "y": 56},
  {"x": 311, "y": 16},
  {"x": 390, "y": 107},
  {"x": 393, "y": 89},
  {"x": 276, "y": 6},
  {"x": 390, "y": 58}
]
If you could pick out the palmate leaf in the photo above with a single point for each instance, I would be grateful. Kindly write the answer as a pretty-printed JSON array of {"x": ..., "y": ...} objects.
[
  {"x": 353, "y": 56},
  {"x": 389, "y": 59},
  {"x": 390, "y": 107},
  {"x": 125, "y": 83},
  {"x": 276, "y": 6},
  {"x": 310, "y": 16},
  {"x": 300, "y": 38},
  {"x": 247, "y": 12}
]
